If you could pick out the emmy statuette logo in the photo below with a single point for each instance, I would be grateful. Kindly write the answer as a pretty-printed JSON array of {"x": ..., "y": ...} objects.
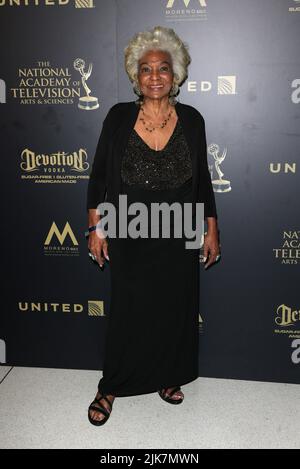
[
  {"x": 87, "y": 103},
  {"x": 219, "y": 185}
]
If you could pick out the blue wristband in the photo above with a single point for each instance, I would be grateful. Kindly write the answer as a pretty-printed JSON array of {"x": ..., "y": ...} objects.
[{"x": 91, "y": 228}]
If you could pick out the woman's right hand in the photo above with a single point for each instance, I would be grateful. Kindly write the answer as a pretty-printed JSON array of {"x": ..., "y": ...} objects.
[{"x": 98, "y": 247}]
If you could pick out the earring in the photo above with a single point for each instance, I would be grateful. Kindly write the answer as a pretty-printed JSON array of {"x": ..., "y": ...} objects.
[
  {"x": 174, "y": 89},
  {"x": 173, "y": 92},
  {"x": 137, "y": 89}
]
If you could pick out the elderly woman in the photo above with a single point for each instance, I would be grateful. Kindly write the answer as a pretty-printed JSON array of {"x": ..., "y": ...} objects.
[{"x": 153, "y": 150}]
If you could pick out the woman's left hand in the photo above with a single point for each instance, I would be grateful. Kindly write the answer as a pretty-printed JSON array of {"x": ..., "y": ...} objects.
[{"x": 211, "y": 247}]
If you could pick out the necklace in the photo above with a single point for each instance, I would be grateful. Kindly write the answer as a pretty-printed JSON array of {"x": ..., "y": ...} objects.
[{"x": 160, "y": 126}]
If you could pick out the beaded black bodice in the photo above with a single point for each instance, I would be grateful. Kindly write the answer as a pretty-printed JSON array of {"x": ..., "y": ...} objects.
[{"x": 163, "y": 169}]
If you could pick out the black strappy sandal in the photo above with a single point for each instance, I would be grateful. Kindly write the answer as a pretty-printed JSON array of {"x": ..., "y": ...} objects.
[
  {"x": 167, "y": 397},
  {"x": 101, "y": 409}
]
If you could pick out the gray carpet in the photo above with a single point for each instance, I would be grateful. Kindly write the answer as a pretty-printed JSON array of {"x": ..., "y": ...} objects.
[{"x": 47, "y": 408}]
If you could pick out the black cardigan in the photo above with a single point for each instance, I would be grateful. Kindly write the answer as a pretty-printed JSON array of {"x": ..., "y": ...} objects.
[{"x": 105, "y": 175}]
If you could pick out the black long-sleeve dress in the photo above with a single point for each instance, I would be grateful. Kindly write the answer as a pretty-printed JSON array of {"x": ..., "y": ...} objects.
[{"x": 152, "y": 332}]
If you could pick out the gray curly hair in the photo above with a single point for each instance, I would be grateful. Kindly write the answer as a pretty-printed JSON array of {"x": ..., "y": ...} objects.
[{"x": 164, "y": 39}]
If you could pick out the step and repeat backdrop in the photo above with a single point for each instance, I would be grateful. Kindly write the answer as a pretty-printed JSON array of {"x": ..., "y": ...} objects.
[{"x": 61, "y": 69}]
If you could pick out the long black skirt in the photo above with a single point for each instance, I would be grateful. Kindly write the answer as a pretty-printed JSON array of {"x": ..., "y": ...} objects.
[{"x": 153, "y": 321}]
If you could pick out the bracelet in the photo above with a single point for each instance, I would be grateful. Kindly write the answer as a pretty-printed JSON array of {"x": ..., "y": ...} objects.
[{"x": 91, "y": 228}]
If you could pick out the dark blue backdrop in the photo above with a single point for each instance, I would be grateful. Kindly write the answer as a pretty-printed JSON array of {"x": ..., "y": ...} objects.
[{"x": 245, "y": 80}]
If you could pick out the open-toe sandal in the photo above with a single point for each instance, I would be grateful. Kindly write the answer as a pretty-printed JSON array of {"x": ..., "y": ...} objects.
[
  {"x": 168, "y": 397},
  {"x": 100, "y": 408}
]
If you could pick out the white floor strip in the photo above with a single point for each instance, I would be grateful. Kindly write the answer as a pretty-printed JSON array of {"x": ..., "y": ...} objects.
[{"x": 47, "y": 408}]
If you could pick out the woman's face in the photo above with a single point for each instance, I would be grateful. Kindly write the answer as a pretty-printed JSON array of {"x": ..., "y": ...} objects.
[{"x": 155, "y": 74}]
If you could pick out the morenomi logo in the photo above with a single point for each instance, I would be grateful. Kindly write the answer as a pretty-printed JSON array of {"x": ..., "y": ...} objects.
[
  {"x": 180, "y": 10},
  {"x": 170, "y": 3},
  {"x": 62, "y": 242},
  {"x": 67, "y": 231}
]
